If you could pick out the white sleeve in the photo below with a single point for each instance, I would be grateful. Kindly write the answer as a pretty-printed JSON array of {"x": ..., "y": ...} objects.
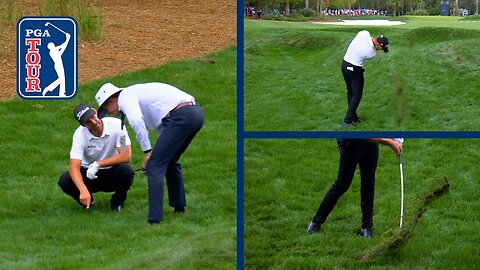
[
  {"x": 371, "y": 54},
  {"x": 123, "y": 139},
  {"x": 372, "y": 51},
  {"x": 130, "y": 106},
  {"x": 77, "y": 151}
]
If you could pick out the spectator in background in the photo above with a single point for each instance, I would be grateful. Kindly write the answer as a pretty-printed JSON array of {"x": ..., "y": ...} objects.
[{"x": 259, "y": 13}]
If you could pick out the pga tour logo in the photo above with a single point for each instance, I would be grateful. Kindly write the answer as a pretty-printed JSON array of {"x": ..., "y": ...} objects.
[{"x": 47, "y": 50}]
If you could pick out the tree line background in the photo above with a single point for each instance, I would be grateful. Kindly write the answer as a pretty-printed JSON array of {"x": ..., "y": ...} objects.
[{"x": 394, "y": 7}]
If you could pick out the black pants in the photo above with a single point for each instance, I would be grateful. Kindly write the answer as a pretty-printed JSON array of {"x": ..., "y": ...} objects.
[
  {"x": 353, "y": 152},
  {"x": 354, "y": 80},
  {"x": 180, "y": 127},
  {"x": 118, "y": 179}
]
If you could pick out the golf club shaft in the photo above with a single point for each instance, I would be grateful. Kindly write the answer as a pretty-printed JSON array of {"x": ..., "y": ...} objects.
[
  {"x": 401, "y": 187},
  {"x": 57, "y": 28}
]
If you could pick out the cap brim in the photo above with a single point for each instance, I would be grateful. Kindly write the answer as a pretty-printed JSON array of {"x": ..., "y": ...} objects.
[
  {"x": 101, "y": 113},
  {"x": 84, "y": 119},
  {"x": 385, "y": 49}
]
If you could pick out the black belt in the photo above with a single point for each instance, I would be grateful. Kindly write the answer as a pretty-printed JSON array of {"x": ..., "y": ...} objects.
[
  {"x": 183, "y": 104},
  {"x": 358, "y": 68}
]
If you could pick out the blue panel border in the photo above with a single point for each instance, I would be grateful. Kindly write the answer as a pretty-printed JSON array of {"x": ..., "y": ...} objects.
[
  {"x": 353, "y": 134},
  {"x": 240, "y": 137}
]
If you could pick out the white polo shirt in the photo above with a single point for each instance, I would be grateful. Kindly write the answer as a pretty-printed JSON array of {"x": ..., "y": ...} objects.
[
  {"x": 145, "y": 105},
  {"x": 88, "y": 148},
  {"x": 360, "y": 49}
]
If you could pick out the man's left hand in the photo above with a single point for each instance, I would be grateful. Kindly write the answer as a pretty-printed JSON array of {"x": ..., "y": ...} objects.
[{"x": 92, "y": 170}]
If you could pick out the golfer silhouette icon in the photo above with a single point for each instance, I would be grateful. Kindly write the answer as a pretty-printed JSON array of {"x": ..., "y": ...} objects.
[{"x": 56, "y": 53}]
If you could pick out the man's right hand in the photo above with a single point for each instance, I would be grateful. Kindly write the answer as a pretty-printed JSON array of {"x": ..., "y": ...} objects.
[
  {"x": 85, "y": 198},
  {"x": 146, "y": 158},
  {"x": 399, "y": 140},
  {"x": 396, "y": 146}
]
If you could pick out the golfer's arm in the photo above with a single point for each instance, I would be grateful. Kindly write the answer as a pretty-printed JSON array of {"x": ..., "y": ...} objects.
[
  {"x": 130, "y": 106},
  {"x": 76, "y": 176},
  {"x": 121, "y": 157},
  {"x": 383, "y": 141},
  {"x": 396, "y": 147},
  {"x": 64, "y": 46}
]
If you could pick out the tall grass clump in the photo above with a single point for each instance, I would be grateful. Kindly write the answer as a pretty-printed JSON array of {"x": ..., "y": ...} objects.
[
  {"x": 90, "y": 20},
  {"x": 10, "y": 12},
  {"x": 89, "y": 16}
]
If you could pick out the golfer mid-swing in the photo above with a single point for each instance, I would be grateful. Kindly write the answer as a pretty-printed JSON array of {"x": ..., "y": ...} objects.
[
  {"x": 56, "y": 53},
  {"x": 362, "y": 47},
  {"x": 353, "y": 152}
]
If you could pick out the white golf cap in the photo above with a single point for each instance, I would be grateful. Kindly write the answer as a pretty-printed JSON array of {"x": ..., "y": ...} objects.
[{"x": 106, "y": 91}]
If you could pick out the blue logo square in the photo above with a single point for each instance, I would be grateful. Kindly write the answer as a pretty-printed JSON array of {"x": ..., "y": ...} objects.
[{"x": 47, "y": 57}]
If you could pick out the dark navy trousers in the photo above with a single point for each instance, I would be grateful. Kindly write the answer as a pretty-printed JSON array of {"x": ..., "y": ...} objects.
[
  {"x": 180, "y": 127},
  {"x": 353, "y": 152},
  {"x": 118, "y": 179},
  {"x": 354, "y": 80}
]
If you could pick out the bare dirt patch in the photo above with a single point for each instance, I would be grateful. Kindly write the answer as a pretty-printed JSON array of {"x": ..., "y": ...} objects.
[{"x": 139, "y": 34}]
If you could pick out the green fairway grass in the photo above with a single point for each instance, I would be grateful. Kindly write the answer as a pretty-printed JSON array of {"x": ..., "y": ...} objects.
[
  {"x": 427, "y": 82},
  {"x": 43, "y": 228},
  {"x": 285, "y": 181}
]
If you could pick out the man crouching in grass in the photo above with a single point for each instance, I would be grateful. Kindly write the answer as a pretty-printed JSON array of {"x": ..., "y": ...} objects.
[{"x": 99, "y": 160}]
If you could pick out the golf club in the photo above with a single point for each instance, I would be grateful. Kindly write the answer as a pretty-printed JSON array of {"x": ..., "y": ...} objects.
[
  {"x": 140, "y": 170},
  {"x": 401, "y": 187},
  {"x": 49, "y": 23},
  {"x": 400, "y": 141}
]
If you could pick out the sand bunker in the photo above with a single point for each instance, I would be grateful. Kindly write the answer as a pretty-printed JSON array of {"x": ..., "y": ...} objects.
[{"x": 363, "y": 22}]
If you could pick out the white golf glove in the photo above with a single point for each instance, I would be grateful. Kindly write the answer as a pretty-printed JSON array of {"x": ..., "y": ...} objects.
[
  {"x": 92, "y": 170},
  {"x": 399, "y": 140}
]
